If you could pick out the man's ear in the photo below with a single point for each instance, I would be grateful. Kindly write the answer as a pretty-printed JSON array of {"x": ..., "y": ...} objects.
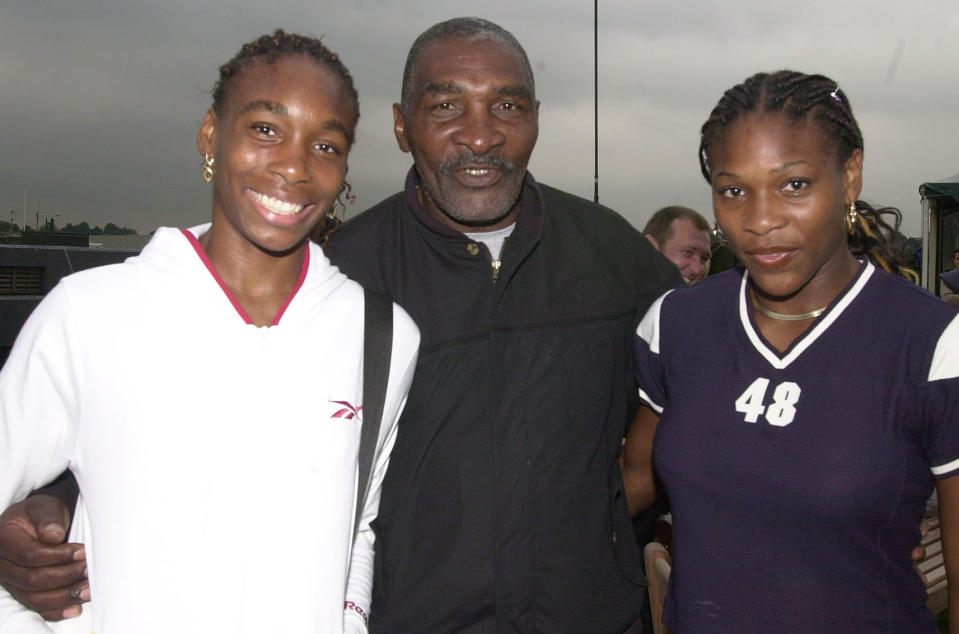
[
  {"x": 652, "y": 241},
  {"x": 399, "y": 127},
  {"x": 206, "y": 136}
]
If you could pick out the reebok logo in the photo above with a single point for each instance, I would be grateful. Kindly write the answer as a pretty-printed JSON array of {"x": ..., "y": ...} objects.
[{"x": 346, "y": 411}]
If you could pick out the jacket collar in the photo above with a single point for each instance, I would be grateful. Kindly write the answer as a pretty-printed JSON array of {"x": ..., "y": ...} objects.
[{"x": 529, "y": 222}]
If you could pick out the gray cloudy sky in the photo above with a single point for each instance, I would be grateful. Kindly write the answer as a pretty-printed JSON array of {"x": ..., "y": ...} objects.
[{"x": 101, "y": 99}]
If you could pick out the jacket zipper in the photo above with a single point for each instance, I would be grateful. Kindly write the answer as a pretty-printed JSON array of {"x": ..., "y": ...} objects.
[{"x": 495, "y": 264}]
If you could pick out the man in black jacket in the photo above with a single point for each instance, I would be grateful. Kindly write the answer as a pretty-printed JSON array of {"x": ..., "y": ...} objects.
[{"x": 502, "y": 510}]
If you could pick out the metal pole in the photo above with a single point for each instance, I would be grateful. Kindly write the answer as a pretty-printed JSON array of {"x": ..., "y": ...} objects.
[{"x": 595, "y": 101}]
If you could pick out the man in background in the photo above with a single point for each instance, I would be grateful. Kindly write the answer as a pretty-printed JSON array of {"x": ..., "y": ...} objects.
[{"x": 682, "y": 235}]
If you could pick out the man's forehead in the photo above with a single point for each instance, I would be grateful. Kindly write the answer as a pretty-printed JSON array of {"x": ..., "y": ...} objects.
[
  {"x": 684, "y": 229},
  {"x": 444, "y": 61}
]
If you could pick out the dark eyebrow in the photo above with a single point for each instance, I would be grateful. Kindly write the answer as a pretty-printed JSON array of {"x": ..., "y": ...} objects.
[
  {"x": 279, "y": 109},
  {"x": 514, "y": 90},
  {"x": 447, "y": 88},
  {"x": 782, "y": 168},
  {"x": 453, "y": 88},
  {"x": 786, "y": 166},
  {"x": 336, "y": 125},
  {"x": 264, "y": 104}
]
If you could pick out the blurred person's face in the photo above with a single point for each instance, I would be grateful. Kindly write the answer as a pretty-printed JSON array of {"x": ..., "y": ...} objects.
[{"x": 688, "y": 248}]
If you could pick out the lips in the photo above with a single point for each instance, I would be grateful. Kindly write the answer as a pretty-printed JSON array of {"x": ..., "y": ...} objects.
[
  {"x": 771, "y": 257},
  {"x": 478, "y": 176},
  {"x": 473, "y": 170}
]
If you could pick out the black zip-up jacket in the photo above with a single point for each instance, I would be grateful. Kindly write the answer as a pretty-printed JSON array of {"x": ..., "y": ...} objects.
[{"x": 502, "y": 509}]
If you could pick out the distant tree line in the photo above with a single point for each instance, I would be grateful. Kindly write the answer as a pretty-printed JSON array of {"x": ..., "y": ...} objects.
[{"x": 83, "y": 228}]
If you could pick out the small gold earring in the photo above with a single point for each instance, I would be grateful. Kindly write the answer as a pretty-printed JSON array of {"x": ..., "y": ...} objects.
[
  {"x": 208, "y": 169},
  {"x": 331, "y": 214},
  {"x": 718, "y": 233},
  {"x": 852, "y": 218}
]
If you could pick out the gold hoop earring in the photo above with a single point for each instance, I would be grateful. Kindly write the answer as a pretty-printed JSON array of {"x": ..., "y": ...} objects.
[
  {"x": 331, "y": 214},
  {"x": 852, "y": 219},
  {"x": 208, "y": 169},
  {"x": 718, "y": 233}
]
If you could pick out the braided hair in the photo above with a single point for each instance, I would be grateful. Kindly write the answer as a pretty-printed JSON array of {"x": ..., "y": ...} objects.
[
  {"x": 880, "y": 240},
  {"x": 800, "y": 97},
  {"x": 269, "y": 49}
]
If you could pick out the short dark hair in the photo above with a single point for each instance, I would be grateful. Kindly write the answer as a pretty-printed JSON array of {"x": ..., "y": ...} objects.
[
  {"x": 469, "y": 29},
  {"x": 660, "y": 225},
  {"x": 269, "y": 48}
]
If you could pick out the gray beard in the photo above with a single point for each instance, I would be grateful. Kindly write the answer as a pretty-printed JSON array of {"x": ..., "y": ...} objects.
[{"x": 448, "y": 209}]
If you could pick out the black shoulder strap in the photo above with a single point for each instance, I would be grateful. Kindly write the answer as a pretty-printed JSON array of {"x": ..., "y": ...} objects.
[{"x": 377, "y": 350}]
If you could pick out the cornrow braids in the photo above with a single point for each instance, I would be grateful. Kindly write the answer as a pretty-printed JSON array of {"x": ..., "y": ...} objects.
[
  {"x": 797, "y": 96},
  {"x": 800, "y": 97},
  {"x": 880, "y": 241},
  {"x": 269, "y": 48}
]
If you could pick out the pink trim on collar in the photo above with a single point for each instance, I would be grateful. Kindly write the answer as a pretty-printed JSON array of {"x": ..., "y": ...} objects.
[
  {"x": 299, "y": 282},
  {"x": 229, "y": 294}
]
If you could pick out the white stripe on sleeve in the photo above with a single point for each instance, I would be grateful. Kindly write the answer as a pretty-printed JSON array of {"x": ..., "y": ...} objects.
[
  {"x": 648, "y": 329},
  {"x": 945, "y": 468},
  {"x": 945, "y": 360}
]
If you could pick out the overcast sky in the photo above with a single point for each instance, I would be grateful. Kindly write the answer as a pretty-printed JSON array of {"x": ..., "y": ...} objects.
[{"x": 101, "y": 99}]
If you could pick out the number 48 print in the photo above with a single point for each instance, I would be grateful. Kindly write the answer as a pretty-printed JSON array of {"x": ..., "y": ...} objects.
[{"x": 779, "y": 413}]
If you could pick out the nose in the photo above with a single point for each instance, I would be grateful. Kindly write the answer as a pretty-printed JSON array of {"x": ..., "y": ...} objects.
[
  {"x": 290, "y": 161},
  {"x": 479, "y": 130},
  {"x": 696, "y": 266},
  {"x": 762, "y": 214}
]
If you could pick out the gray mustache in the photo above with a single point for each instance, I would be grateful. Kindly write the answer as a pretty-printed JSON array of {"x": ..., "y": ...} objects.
[{"x": 465, "y": 160}]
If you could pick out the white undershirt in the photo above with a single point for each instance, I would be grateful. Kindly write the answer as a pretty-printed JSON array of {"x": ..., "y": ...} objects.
[{"x": 493, "y": 239}]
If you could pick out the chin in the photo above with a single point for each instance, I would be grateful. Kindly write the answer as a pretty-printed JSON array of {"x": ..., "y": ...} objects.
[
  {"x": 479, "y": 215},
  {"x": 778, "y": 288},
  {"x": 280, "y": 244}
]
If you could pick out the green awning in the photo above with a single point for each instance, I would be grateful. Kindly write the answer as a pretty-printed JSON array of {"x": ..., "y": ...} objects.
[{"x": 945, "y": 188}]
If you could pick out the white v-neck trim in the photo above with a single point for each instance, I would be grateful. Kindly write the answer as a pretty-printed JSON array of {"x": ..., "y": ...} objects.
[{"x": 807, "y": 338}]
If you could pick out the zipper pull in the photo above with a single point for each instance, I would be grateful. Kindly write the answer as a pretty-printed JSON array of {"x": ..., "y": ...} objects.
[{"x": 495, "y": 264}]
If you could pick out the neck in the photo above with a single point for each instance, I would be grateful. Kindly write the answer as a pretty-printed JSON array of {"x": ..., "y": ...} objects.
[
  {"x": 260, "y": 281},
  {"x": 812, "y": 314},
  {"x": 815, "y": 294}
]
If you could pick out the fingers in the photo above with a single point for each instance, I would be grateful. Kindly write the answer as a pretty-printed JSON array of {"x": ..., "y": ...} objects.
[
  {"x": 49, "y": 578},
  {"x": 19, "y": 548},
  {"x": 918, "y": 553},
  {"x": 53, "y": 589},
  {"x": 55, "y": 605},
  {"x": 49, "y": 517},
  {"x": 45, "y": 578}
]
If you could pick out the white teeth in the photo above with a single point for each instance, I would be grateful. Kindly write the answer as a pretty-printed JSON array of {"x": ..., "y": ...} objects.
[
  {"x": 477, "y": 172},
  {"x": 278, "y": 206}
]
